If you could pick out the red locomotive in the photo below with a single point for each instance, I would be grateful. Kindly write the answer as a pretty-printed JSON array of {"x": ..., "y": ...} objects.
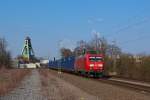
[{"x": 91, "y": 63}]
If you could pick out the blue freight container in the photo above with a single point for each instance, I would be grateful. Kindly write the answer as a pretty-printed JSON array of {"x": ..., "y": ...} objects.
[{"x": 66, "y": 63}]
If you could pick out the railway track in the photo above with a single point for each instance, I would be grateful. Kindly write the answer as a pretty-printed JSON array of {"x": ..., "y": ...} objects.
[
  {"x": 130, "y": 84},
  {"x": 137, "y": 86}
]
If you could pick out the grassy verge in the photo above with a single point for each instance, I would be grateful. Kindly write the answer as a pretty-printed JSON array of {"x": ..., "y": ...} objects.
[{"x": 10, "y": 78}]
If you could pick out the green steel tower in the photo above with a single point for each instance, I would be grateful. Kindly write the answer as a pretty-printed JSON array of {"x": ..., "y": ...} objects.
[{"x": 27, "y": 51}]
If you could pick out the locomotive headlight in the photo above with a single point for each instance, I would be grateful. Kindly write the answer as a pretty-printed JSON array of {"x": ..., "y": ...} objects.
[
  {"x": 91, "y": 65},
  {"x": 100, "y": 65}
]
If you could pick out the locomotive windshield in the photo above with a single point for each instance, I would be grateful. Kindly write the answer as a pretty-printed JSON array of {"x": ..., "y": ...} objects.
[{"x": 95, "y": 59}]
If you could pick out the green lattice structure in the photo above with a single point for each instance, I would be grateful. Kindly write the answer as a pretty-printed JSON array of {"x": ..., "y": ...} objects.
[{"x": 27, "y": 51}]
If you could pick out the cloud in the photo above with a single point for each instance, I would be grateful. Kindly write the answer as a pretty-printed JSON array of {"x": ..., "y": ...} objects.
[
  {"x": 99, "y": 20},
  {"x": 95, "y": 20},
  {"x": 90, "y": 21}
]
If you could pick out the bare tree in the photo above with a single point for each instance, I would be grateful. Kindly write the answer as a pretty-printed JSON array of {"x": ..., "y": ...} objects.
[
  {"x": 66, "y": 52},
  {"x": 5, "y": 56}
]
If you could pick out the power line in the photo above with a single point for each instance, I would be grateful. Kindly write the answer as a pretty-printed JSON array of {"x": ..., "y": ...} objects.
[
  {"x": 134, "y": 40},
  {"x": 129, "y": 26}
]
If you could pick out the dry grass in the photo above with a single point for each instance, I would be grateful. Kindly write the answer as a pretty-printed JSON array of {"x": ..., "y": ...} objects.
[
  {"x": 44, "y": 77},
  {"x": 10, "y": 78}
]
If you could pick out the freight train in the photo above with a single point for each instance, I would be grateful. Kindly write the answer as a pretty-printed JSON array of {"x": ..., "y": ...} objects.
[{"x": 89, "y": 64}]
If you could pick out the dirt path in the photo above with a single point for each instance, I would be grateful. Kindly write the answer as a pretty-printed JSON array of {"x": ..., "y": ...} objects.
[{"x": 30, "y": 89}]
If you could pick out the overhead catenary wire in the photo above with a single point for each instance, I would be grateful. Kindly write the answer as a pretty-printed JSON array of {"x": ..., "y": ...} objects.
[
  {"x": 134, "y": 40},
  {"x": 128, "y": 27}
]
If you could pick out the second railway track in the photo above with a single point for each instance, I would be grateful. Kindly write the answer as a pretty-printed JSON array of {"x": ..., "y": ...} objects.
[
  {"x": 130, "y": 84},
  {"x": 138, "y": 86}
]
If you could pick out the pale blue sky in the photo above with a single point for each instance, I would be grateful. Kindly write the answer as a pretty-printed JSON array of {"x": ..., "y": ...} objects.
[{"x": 49, "y": 21}]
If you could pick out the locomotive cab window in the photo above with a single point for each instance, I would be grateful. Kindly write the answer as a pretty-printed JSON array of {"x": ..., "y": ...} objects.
[
  {"x": 99, "y": 59},
  {"x": 92, "y": 59},
  {"x": 95, "y": 59}
]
